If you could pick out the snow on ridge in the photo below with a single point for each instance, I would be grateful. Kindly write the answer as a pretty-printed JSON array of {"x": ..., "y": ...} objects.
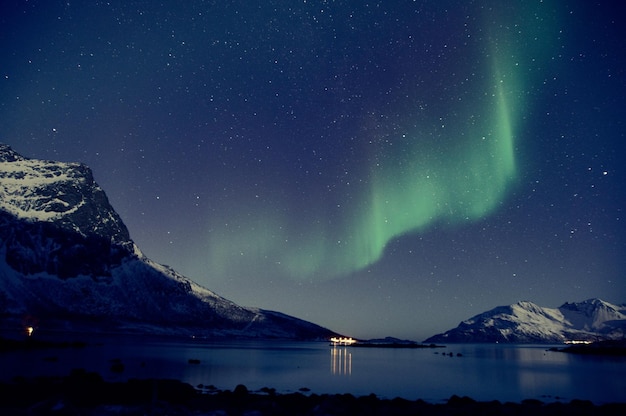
[
  {"x": 591, "y": 314},
  {"x": 592, "y": 319},
  {"x": 81, "y": 270},
  {"x": 22, "y": 179},
  {"x": 198, "y": 290}
]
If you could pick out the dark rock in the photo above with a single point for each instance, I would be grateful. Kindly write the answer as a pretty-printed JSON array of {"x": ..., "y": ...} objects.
[
  {"x": 532, "y": 402},
  {"x": 85, "y": 393},
  {"x": 457, "y": 401},
  {"x": 117, "y": 366},
  {"x": 241, "y": 390}
]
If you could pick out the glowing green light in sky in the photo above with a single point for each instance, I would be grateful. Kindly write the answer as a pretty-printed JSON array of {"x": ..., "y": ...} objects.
[
  {"x": 449, "y": 171},
  {"x": 455, "y": 185},
  {"x": 458, "y": 183}
]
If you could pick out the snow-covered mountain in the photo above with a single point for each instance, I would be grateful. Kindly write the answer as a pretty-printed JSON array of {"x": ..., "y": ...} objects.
[
  {"x": 67, "y": 262},
  {"x": 525, "y": 322}
]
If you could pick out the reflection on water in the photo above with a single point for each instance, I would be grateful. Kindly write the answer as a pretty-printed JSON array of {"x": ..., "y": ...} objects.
[
  {"x": 340, "y": 361},
  {"x": 523, "y": 354},
  {"x": 483, "y": 372}
]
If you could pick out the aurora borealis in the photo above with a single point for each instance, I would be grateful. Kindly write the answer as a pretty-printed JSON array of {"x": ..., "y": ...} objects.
[
  {"x": 413, "y": 162},
  {"x": 434, "y": 172},
  {"x": 405, "y": 192}
]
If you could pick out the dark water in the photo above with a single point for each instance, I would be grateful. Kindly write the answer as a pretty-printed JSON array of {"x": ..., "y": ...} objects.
[{"x": 483, "y": 372}]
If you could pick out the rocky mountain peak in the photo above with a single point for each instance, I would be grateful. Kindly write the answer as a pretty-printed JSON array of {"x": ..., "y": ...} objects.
[
  {"x": 7, "y": 154},
  {"x": 591, "y": 314},
  {"x": 526, "y": 322},
  {"x": 45, "y": 204},
  {"x": 64, "y": 193},
  {"x": 67, "y": 261}
]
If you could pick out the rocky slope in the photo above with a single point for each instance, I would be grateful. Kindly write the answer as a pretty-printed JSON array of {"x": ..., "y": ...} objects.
[
  {"x": 67, "y": 262},
  {"x": 525, "y": 322}
]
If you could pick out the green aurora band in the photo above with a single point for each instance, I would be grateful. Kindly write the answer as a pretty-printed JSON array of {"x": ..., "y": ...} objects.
[
  {"x": 456, "y": 186},
  {"x": 453, "y": 175}
]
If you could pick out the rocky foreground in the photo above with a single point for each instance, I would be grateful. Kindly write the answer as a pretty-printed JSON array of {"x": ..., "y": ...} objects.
[{"x": 85, "y": 393}]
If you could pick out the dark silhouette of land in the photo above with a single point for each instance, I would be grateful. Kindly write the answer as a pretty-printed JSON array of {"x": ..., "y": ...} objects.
[
  {"x": 611, "y": 347},
  {"x": 86, "y": 393}
]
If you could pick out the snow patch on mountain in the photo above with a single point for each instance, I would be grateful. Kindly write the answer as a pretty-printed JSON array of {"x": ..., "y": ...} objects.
[
  {"x": 64, "y": 193},
  {"x": 526, "y": 322},
  {"x": 67, "y": 261}
]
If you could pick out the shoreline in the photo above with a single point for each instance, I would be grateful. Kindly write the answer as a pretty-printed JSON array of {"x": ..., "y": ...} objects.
[
  {"x": 87, "y": 393},
  {"x": 90, "y": 392}
]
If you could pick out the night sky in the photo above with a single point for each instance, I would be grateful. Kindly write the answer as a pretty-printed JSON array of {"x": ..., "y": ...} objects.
[{"x": 382, "y": 168}]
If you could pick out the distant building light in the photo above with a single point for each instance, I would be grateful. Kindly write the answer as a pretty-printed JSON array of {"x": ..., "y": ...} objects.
[
  {"x": 342, "y": 341},
  {"x": 578, "y": 342}
]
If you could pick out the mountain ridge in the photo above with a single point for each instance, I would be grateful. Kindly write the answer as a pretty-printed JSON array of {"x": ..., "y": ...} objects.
[
  {"x": 525, "y": 322},
  {"x": 67, "y": 261}
]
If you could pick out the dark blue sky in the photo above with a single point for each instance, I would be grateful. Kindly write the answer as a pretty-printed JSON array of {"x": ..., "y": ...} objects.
[{"x": 380, "y": 168}]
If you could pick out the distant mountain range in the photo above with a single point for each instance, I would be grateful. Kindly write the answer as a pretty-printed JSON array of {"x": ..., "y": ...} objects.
[
  {"x": 67, "y": 262},
  {"x": 525, "y": 322}
]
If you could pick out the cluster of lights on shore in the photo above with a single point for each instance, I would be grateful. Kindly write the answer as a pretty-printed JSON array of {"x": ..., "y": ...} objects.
[{"x": 342, "y": 341}]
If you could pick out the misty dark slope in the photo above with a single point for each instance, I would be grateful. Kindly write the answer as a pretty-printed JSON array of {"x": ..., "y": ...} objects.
[
  {"x": 525, "y": 322},
  {"x": 67, "y": 262}
]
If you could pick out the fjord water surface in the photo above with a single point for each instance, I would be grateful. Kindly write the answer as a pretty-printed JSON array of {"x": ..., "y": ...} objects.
[{"x": 480, "y": 371}]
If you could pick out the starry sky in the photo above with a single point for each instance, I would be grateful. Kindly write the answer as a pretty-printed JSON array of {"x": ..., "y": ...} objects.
[{"x": 381, "y": 168}]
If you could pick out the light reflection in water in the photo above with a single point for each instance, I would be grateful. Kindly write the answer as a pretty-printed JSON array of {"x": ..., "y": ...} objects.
[{"x": 340, "y": 361}]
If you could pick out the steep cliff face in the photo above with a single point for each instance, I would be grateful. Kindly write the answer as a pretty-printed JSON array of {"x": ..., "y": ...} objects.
[
  {"x": 526, "y": 322},
  {"x": 55, "y": 219},
  {"x": 67, "y": 261}
]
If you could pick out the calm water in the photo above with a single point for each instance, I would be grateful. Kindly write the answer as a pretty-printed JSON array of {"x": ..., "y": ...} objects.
[{"x": 483, "y": 372}]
